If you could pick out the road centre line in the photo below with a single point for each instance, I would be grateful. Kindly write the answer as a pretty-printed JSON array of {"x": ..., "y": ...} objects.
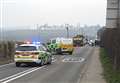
[
  {"x": 12, "y": 76},
  {"x": 15, "y": 75},
  {"x": 18, "y": 75}
]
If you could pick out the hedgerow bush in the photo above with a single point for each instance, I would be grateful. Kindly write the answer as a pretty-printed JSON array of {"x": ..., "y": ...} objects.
[{"x": 7, "y": 49}]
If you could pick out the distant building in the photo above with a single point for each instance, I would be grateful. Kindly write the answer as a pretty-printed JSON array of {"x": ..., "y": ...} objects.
[{"x": 113, "y": 13}]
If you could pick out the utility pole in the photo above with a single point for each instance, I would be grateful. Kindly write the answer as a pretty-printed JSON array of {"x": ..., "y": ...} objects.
[
  {"x": 79, "y": 29},
  {"x": 67, "y": 28},
  {"x": 1, "y": 21},
  {"x": 38, "y": 31}
]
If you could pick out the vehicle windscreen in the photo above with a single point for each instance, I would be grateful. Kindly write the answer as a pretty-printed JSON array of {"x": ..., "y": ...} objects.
[{"x": 26, "y": 48}]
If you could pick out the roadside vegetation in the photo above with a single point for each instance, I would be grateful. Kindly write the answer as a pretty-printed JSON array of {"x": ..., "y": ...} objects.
[
  {"x": 110, "y": 53},
  {"x": 111, "y": 75},
  {"x": 110, "y": 41},
  {"x": 7, "y": 49}
]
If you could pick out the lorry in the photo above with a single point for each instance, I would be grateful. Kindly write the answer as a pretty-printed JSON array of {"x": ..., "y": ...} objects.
[{"x": 78, "y": 40}]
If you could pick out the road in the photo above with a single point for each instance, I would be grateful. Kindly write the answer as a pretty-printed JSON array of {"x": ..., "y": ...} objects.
[{"x": 64, "y": 69}]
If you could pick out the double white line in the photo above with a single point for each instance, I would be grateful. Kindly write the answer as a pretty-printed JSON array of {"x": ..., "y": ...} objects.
[{"x": 18, "y": 75}]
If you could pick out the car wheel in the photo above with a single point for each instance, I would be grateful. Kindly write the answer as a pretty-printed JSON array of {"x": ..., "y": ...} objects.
[
  {"x": 70, "y": 53},
  {"x": 17, "y": 64},
  {"x": 59, "y": 51},
  {"x": 49, "y": 62},
  {"x": 41, "y": 64}
]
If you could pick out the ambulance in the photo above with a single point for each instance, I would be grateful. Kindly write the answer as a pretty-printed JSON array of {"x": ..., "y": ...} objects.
[{"x": 61, "y": 45}]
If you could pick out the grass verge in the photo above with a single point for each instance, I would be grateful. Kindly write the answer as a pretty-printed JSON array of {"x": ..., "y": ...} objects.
[{"x": 110, "y": 75}]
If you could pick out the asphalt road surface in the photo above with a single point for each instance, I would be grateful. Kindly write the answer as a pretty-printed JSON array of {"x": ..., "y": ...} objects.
[{"x": 64, "y": 69}]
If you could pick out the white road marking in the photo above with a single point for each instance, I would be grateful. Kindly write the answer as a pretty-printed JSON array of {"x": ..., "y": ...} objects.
[
  {"x": 15, "y": 75},
  {"x": 79, "y": 79},
  {"x": 28, "y": 72},
  {"x": 70, "y": 59},
  {"x": 6, "y": 64},
  {"x": 62, "y": 57},
  {"x": 54, "y": 60}
]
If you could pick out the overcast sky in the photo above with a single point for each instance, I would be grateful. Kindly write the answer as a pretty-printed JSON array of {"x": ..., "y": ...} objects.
[{"x": 30, "y": 12}]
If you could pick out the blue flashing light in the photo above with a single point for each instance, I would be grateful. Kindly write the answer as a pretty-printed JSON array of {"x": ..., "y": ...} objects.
[
  {"x": 36, "y": 40},
  {"x": 36, "y": 43}
]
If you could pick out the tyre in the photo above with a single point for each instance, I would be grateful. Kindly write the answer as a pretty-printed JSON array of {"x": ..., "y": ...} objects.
[
  {"x": 41, "y": 64},
  {"x": 70, "y": 53},
  {"x": 49, "y": 62},
  {"x": 59, "y": 51},
  {"x": 33, "y": 64},
  {"x": 17, "y": 64}
]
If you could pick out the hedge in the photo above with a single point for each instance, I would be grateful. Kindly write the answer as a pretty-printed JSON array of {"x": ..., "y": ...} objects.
[{"x": 7, "y": 49}]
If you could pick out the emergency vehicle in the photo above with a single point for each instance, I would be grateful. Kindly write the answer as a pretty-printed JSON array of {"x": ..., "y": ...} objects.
[
  {"x": 61, "y": 45},
  {"x": 32, "y": 54}
]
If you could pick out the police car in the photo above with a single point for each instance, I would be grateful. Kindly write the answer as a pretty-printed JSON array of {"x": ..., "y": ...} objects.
[{"x": 32, "y": 54}]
